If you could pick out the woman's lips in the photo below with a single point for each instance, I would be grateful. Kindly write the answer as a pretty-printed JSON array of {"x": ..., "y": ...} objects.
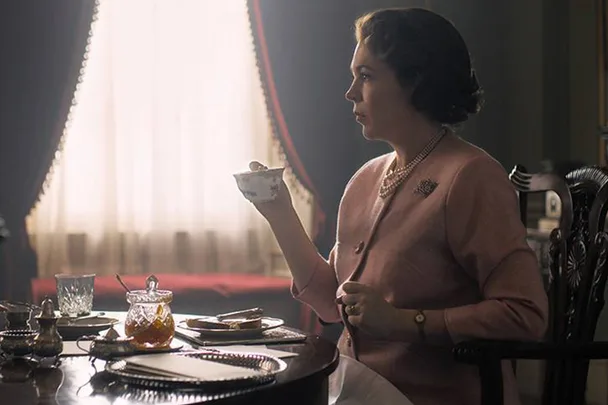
[{"x": 359, "y": 117}]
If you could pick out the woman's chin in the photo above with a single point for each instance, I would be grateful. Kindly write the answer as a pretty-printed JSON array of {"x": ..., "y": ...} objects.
[{"x": 367, "y": 134}]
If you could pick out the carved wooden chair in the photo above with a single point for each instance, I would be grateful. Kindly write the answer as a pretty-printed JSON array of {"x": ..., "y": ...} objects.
[{"x": 578, "y": 270}]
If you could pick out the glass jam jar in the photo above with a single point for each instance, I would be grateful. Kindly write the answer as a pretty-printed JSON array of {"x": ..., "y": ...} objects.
[{"x": 149, "y": 320}]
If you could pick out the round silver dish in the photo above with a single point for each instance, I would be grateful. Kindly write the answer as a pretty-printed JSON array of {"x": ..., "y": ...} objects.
[{"x": 267, "y": 368}]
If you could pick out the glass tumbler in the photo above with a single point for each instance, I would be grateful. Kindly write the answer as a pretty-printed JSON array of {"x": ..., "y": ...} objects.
[{"x": 75, "y": 294}]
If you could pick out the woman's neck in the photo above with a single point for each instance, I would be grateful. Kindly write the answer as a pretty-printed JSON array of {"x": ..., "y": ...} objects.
[{"x": 413, "y": 141}]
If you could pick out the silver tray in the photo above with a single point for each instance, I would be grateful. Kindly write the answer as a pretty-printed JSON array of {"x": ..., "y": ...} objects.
[
  {"x": 267, "y": 366},
  {"x": 282, "y": 334}
]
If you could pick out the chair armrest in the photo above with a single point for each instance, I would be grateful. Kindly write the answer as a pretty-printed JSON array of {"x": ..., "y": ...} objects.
[{"x": 476, "y": 351}]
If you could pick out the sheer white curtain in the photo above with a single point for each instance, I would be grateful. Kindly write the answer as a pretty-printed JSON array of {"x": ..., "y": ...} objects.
[{"x": 169, "y": 107}]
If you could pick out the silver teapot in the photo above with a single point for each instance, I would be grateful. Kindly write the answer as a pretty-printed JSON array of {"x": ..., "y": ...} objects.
[{"x": 18, "y": 314}]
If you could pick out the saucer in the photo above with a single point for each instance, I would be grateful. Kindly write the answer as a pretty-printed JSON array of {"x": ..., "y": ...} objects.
[
  {"x": 174, "y": 346},
  {"x": 73, "y": 328}
]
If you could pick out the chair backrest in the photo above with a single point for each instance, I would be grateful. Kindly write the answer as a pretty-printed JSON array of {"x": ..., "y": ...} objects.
[
  {"x": 577, "y": 266},
  {"x": 585, "y": 266}
]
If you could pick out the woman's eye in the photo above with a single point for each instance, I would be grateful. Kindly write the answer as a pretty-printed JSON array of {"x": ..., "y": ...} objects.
[{"x": 365, "y": 76}]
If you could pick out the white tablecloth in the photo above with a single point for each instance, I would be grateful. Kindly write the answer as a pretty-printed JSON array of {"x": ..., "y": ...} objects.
[{"x": 353, "y": 383}]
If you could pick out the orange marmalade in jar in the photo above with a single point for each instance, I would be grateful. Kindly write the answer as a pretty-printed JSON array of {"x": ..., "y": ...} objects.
[{"x": 149, "y": 320}]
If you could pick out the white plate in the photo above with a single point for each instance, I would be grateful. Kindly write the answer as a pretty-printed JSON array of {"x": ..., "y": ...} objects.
[
  {"x": 263, "y": 370},
  {"x": 267, "y": 324}
]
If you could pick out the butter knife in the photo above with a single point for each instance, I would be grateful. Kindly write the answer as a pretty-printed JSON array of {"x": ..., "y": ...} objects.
[{"x": 245, "y": 313}]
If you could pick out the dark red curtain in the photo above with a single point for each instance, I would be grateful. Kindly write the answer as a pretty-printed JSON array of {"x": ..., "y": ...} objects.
[
  {"x": 42, "y": 44},
  {"x": 279, "y": 123}
]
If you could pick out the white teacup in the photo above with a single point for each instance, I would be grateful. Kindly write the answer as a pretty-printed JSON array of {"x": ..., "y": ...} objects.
[{"x": 260, "y": 185}]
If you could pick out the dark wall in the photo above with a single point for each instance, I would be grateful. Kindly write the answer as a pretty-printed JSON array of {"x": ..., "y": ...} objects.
[{"x": 583, "y": 80}]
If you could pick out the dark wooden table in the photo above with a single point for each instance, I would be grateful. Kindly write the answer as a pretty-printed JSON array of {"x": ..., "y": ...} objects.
[{"x": 76, "y": 381}]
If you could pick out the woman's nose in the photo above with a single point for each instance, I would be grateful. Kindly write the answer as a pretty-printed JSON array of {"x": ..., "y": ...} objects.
[{"x": 351, "y": 93}]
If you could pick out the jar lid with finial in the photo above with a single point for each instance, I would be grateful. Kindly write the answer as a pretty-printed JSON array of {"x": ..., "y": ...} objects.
[{"x": 151, "y": 295}]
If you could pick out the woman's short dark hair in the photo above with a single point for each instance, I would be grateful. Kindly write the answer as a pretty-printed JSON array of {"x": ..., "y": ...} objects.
[{"x": 429, "y": 56}]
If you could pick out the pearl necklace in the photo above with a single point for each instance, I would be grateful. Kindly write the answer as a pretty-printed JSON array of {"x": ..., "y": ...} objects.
[{"x": 395, "y": 177}]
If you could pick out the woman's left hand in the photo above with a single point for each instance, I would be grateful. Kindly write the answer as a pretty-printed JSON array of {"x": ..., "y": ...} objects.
[{"x": 368, "y": 310}]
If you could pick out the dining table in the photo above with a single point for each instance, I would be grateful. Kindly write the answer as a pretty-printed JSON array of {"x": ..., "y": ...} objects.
[{"x": 79, "y": 379}]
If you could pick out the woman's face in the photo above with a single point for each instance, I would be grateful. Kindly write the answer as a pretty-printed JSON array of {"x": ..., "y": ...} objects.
[{"x": 380, "y": 104}]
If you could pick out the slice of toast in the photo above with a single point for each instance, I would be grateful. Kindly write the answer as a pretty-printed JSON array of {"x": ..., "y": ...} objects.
[{"x": 210, "y": 322}]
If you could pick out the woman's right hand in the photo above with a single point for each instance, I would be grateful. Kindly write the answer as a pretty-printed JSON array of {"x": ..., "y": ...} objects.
[{"x": 279, "y": 207}]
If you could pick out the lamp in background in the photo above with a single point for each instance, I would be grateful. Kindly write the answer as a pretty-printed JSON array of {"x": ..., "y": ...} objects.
[{"x": 553, "y": 205}]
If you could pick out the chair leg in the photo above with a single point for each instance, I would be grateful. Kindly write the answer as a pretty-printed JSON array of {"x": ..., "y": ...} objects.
[
  {"x": 554, "y": 380},
  {"x": 490, "y": 374}
]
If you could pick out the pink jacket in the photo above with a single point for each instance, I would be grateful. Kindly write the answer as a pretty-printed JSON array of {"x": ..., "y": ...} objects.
[{"x": 459, "y": 253}]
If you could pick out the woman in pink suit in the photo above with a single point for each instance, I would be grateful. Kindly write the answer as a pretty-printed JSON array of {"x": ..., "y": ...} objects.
[{"x": 430, "y": 249}]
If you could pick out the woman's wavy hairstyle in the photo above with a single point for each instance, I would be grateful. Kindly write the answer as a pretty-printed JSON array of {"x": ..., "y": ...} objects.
[{"x": 429, "y": 57}]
